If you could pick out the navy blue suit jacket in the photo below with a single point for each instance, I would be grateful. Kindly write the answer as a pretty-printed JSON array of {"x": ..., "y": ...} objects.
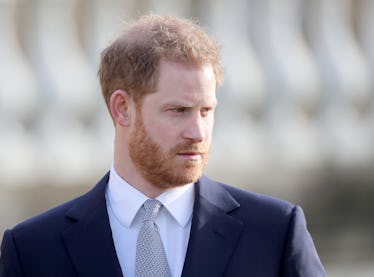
[{"x": 233, "y": 233}]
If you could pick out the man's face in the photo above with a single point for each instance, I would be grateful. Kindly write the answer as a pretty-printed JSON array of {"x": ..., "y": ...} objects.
[{"x": 170, "y": 142}]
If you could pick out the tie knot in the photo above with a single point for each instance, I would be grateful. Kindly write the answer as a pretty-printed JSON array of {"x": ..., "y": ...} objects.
[{"x": 152, "y": 208}]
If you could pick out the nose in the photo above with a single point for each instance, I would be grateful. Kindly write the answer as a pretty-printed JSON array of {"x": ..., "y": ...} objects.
[{"x": 195, "y": 129}]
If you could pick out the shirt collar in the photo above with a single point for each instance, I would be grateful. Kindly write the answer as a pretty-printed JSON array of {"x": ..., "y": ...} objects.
[{"x": 125, "y": 200}]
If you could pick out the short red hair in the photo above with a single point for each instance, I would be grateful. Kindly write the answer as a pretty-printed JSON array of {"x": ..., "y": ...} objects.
[{"x": 131, "y": 62}]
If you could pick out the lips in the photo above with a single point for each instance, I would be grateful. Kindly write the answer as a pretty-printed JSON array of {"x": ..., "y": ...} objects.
[{"x": 190, "y": 154}]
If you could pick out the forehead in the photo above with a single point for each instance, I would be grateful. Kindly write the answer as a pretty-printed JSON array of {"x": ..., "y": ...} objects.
[{"x": 184, "y": 81}]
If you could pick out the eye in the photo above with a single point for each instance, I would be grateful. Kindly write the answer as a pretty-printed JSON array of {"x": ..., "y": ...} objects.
[
  {"x": 180, "y": 109},
  {"x": 206, "y": 111}
]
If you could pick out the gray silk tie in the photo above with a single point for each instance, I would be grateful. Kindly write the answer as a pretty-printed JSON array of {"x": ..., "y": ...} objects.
[{"x": 151, "y": 259}]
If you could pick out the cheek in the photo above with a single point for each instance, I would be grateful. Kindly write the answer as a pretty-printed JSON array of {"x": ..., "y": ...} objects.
[
  {"x": 209, "y": 127},
  {"x": 164, "y": 130},
  {"x": 166, "y": 136}
]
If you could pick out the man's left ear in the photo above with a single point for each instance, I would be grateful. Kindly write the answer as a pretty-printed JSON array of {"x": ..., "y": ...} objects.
[{"x": 121, "y": 105}]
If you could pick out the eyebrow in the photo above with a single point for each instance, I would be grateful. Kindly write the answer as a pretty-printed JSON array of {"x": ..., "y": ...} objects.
[{"x": 179, "y": 103}]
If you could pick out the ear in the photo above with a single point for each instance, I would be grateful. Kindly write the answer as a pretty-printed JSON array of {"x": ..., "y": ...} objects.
[{"x": 121, "y": 107}]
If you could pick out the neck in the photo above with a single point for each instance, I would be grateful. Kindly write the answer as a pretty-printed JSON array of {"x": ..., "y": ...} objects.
[{"x": 127, "y": 171}]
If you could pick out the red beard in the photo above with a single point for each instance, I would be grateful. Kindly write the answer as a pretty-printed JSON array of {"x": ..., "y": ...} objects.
[{"x": 164, "y": 169}]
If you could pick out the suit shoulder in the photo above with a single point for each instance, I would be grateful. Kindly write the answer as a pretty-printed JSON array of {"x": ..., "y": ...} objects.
[
  {"x": 64, "y": 213},
  {"x": 244, "y": 198},
  {"x": 53, "y": 218},
  {"x": 259, "y": 202}
]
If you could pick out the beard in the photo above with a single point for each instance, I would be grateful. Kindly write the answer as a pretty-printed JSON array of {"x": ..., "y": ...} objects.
[{"x": 164, "y": 169}]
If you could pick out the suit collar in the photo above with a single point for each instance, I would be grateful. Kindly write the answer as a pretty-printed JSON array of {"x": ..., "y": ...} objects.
[
  {"x": 213, "y": 238},
  {"x": 89, "y": 239},
  {"x": 216, "y": 194},
  {"x": 214, "y": 233}
]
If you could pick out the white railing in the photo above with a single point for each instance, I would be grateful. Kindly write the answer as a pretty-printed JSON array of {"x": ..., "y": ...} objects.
[{"x": 298, "y": 93}]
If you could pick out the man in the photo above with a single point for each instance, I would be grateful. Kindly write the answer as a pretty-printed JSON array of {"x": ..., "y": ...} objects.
[{"x": 159, "y": 80}]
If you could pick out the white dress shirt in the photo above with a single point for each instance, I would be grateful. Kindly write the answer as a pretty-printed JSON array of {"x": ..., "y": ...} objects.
[{"x": 125, "y": 217}]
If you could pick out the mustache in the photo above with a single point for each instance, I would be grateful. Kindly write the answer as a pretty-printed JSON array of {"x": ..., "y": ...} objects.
[{"x": 185, "y": 147}]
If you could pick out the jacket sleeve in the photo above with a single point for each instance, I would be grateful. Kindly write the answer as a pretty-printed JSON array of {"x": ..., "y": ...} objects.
[
  {"x": 9, "y": 262},
  {"x": 300, "y": 258}
]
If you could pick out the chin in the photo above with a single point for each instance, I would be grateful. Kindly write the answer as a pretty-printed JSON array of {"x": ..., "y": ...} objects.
[{"x": 191, "y": 176}]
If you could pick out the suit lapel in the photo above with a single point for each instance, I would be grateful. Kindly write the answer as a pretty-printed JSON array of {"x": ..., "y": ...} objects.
[
  {"x": 213, "y": 238},
  {"x": 214, "y": 233},
  {"x": 89, "y": 239}
]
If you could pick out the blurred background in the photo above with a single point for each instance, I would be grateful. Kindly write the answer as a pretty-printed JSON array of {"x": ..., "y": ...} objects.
[{"x": 295, "y": 118}]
